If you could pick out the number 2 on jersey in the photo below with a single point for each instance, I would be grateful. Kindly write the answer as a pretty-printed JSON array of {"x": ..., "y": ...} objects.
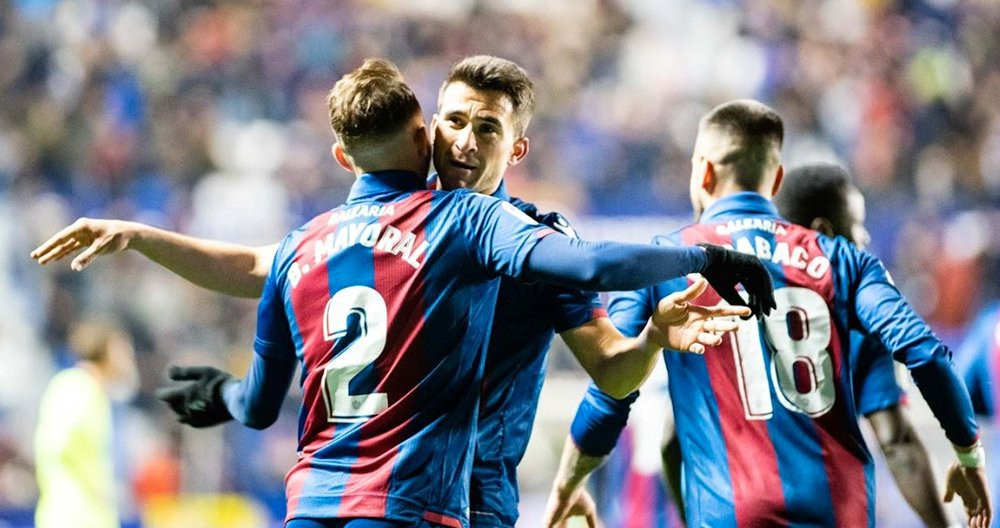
[
  {"x": 356, "y": 318},
  {"x": 797, "y": 333}
]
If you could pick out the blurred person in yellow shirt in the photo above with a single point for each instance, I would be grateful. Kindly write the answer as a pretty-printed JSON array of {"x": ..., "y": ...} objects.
[{"x": 73, "y": 453}]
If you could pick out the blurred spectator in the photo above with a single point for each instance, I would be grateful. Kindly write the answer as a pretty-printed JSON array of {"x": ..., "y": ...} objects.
[{"x": 73, "y": 440}]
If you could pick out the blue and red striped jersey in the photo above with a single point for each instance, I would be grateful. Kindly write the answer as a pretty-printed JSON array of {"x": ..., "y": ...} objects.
[
  {"x": 387, "y": 302},
  {"x": 767, "y": 421},
  {"x": 528, "y": 315}
]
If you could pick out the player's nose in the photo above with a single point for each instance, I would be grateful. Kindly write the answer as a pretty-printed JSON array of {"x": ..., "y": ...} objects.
[{"x": 466, "y": 140}]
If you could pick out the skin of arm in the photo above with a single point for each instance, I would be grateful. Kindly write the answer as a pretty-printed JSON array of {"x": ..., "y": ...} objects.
[
  {"x": 619, "y": 364},
  {"x": 574, "y": 467},
  {"x": 226, "y": 268},
  {"x": 910, "y": 465}
]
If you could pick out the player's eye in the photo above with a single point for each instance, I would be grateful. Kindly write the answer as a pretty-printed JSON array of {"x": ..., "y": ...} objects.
[
  {"x": 456, "y": 121},
  {"x": 489, "y": 129}
]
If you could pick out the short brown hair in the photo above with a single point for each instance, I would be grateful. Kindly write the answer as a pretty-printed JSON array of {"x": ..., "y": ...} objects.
[
  {"x": 89, "y": 340},
  {"x": 370, "y": 103},
  {"x": 757, "y": 130},
  {"x": 488, "y": 73}
]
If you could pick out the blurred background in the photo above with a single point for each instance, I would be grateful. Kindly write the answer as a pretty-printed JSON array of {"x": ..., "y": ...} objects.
[{"x": 209, "y": 118}]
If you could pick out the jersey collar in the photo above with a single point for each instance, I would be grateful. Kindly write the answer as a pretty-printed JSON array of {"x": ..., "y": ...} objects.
[
  {"x": 371, "y": 184},
  {"x": 739, "y": 204}
]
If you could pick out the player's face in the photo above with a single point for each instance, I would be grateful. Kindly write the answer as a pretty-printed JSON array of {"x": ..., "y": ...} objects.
[{"x": 474, "y": 138}]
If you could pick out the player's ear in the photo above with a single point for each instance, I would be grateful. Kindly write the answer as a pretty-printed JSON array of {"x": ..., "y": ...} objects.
[
  {"x": 823, "y": 225},
  {"x": 778, "y": 179},
  {"x": 519, "y": 151},
  {"x": 708, "y": 177},
  {"x": 342, "y": 159}
]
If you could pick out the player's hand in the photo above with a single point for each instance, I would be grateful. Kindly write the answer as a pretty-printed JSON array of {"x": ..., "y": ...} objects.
[
  {"x": 561, "y": 507},
  {"x": 727, "y": 268},
  {"x": 99, "y": 237},
  {"x": 970, "y": 485},
  {"x": 198, "y": 402},
  {"x": 680, "y": 325}
]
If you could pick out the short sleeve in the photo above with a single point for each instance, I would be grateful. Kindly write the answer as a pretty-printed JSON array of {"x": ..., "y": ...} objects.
[
  {"x": 500, "y": 236},
  {"x": 629, "y": 311}
]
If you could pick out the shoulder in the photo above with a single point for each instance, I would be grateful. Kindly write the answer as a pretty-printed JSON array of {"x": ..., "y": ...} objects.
[{"x": 553, "y": 219}]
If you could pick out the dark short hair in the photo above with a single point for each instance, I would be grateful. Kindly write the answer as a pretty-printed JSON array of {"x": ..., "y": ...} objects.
[
  {"x": 814, "y": 191},
  {"x": 759, "y": 131},
  {"x": 488, "y": 73},
  {"x": 370, "y": 102}
]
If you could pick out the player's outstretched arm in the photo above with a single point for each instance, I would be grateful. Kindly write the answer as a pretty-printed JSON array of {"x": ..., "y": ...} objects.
[
  {"x": 611, "y": 266},
  {"x": 619, "y": 365},
  {"x": 231, "y": 269},
  {"x": 910, "y": 464},
  {"x": 205, "y": 396},
  {"x": 569, "y": 497}
]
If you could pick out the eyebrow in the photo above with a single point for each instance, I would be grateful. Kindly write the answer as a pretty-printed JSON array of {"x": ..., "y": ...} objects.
[{"x": 488, "y": 118}]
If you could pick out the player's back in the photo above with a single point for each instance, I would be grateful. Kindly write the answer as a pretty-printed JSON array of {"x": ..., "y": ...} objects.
[
  {"x": 767, "y": 420},
  {"x": 389, "y": 300}
]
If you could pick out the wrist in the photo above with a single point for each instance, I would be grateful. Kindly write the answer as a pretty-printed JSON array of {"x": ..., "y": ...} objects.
[
  {"x": 136, "y": 236},
  {"x": 973, "y": 456}
]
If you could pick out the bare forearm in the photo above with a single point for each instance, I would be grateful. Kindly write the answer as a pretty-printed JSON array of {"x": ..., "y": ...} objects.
[
  {"x": 910, "y": 464},
  {"x": 226, "y": 268},
  {"x": 574, "y": 468},
  {"x": 617, "y": 364},
  {"x": 911, "y": 468}
]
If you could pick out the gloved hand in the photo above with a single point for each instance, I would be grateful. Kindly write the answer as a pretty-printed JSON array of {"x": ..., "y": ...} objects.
[
  {"x": 726, "y": 268},
  {"x": 198, "y": 402}
]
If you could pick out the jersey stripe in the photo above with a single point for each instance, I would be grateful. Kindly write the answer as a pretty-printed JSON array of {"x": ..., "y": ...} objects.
[{"x": 397, "y": 374}]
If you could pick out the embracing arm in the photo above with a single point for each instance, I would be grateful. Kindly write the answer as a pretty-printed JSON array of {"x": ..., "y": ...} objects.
[
  {"x": 226, "y": 268},
  {"x": 609, "y": 266}
]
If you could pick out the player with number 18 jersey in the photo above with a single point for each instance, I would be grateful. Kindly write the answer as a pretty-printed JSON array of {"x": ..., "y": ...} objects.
[{"x": 767, "y": 421}]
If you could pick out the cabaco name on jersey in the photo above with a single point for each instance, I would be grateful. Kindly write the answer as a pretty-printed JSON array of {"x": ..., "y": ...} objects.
[{"x": 781, "y": 253}]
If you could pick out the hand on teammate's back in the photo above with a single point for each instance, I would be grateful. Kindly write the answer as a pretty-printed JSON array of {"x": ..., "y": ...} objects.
[
  {"x": 100, "y": 237},
  {"x": 198, "y": 402},
  {"x": 727, "y": 268},
  {"x": 970, "y": 484},
  {"x": 680, "y": 325}
]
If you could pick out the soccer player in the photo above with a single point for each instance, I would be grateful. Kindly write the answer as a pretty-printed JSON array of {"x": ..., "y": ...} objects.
[
  {"x": 484, "y": 108},
  {"x": 767, "y": 421},
  {"x": 387, "y": 302},
  {"x": 73, "y": 459},
  {"x": 822, "y": 197}
]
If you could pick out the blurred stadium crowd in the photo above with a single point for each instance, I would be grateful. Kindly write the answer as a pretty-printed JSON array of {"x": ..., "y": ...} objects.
[{"x": 209, "y": 118}]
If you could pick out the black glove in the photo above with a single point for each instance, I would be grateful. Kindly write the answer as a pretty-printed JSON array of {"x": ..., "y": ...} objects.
[
  {"x": 197, "y": 403},
  {"x": 726, "y": 268}
]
